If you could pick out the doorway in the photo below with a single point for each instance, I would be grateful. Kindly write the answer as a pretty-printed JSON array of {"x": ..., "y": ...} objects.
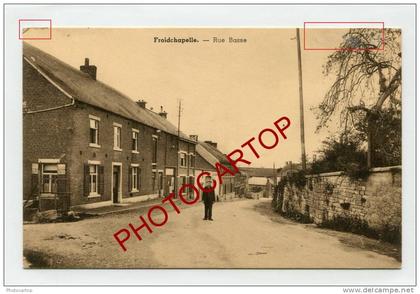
[
  {"x": 169, "y": 181},
  {"x": 116, "y": 183}
]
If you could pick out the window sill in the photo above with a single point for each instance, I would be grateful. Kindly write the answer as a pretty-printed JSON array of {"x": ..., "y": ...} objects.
[
  {"x": 94, "y": 145},
  {"x": 117, "y": 149},
  {"x": 96, "y": 195},
  {"x": 135, "y": 151}
]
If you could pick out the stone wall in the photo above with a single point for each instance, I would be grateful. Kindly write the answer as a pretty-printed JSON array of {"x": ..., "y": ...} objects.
[{"x": 375, "y": 200}]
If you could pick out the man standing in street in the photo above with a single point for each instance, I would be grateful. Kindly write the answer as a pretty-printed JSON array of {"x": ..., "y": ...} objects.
[{"x": 208, "y": 199}]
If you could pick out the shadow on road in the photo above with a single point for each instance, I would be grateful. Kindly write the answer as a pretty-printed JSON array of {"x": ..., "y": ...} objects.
[{"x": 347, "y": 239}]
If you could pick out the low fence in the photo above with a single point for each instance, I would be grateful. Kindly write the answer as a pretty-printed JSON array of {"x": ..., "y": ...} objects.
[{"x": 373, "y": 202}]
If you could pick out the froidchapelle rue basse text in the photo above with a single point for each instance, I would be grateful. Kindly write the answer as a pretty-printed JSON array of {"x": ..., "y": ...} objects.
[{"x": 189, "y": 40}]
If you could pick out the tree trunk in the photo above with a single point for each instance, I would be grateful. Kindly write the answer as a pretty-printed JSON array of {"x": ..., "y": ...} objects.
[
  {"x": 371, "y": 124},
  {"x": 369, "y": 146}
]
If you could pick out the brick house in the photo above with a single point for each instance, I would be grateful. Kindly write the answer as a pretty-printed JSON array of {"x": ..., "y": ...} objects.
[{"x": 86, "y": 144}]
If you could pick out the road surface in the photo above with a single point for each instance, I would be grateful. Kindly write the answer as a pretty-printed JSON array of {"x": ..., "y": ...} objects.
[{"x": 244, "y": 234}]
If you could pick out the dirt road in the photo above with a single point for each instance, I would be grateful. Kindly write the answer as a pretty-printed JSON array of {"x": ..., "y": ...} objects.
[{"x": 245, "y": 234}]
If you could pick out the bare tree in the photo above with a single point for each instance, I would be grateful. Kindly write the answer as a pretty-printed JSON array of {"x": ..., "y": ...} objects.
[{"x": 368, "y": 77}]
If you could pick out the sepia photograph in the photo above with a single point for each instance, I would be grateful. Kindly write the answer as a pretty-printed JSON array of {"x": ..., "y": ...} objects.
[{"x": 212, "y": 148}]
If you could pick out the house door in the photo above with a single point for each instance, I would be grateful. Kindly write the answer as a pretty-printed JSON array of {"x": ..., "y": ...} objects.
[
  {"x": 116, "y": 183},
  {"x": 160, "y": 183},
  {"x": 169, "y": 181}
]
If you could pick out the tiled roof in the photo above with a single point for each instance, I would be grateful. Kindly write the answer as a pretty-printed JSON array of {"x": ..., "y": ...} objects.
[
  {"x": 93, "y": 92},
  {"x": 203, "y": 152},
  {"x": 212, "y": 155},
  {"x": 221, "y": 157}
]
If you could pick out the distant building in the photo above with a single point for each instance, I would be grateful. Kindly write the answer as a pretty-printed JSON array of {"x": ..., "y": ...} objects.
[
  {"x": 85, "y": 143},
  {"x": 289, "y": 168},
  {"x": 261, "y": 184}
]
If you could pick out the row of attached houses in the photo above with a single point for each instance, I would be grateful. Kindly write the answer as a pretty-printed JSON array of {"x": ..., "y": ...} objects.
[{"x": 86, "y": 144}]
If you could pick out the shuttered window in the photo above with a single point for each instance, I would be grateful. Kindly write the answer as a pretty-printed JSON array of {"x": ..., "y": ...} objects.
[
  {"x": 93, "y": 180},
  {"x": 134, "y": 179},
  {"x": 49, "y": 178}
]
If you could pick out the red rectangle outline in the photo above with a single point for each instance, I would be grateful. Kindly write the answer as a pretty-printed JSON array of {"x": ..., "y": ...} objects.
[
  {"x": 344, "y": 49},
  {"x": 33, "y": 19}
]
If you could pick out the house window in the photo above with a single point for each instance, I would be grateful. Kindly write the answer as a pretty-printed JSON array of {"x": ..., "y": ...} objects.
[
  {"x": 153, "y": 180},
  {"x": 134, "y": 179},
  {"x": 183, "y": 159},
  {"x": 93, "y": 179},
  {"x": 154, "y": 150},
  {"x": 135, "y": 141},
  {"x": 117, "y": 137},
  {"x": 49, "y": 178},
  {"x": 94, "y": 131}
]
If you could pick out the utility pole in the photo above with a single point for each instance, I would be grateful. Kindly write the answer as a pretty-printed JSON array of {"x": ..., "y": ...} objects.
[{"x": 302, "y": 124}]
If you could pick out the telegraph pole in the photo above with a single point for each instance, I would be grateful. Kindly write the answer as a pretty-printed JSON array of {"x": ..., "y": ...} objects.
[{"x": 302, "y": 124}]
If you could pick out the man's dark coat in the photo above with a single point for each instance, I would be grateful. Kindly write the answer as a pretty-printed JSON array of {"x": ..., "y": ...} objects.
[{"x": 209, "y": 197}]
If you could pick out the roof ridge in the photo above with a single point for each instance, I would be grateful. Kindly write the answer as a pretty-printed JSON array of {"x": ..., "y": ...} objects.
[{"x": 97, "y": 93}]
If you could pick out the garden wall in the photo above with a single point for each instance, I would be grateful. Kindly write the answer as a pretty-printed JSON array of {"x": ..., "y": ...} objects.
[{"x": 374, "y": 201}]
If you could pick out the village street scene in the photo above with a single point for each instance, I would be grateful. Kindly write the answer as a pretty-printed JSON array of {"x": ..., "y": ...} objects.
[
  {"x": 264, "y": 239},
  {"x": 106, "y": 140}
]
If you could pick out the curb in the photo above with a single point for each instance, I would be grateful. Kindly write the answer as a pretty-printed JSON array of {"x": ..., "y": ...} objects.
[{"x": 96, "y": 214}]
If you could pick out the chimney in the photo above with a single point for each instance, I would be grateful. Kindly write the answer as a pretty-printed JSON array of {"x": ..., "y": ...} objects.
[
  {"x": 89, "y": 69},
  {"x": 194, "y": 138},
  {"x": 214, "y": 144},
  {"x": 162, "y": 113},
  {"x": 141, "y": 103}
]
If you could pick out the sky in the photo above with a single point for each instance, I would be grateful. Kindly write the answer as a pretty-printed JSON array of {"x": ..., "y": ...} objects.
[{"x": 229, "y": 91}]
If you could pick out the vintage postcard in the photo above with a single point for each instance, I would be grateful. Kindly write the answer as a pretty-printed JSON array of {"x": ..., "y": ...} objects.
[{"x": 220, "y": 148}]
